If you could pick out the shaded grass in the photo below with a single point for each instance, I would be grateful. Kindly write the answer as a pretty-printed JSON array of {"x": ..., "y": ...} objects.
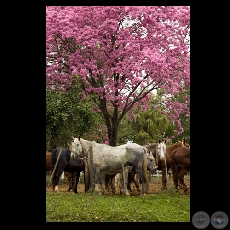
[{"x": 91, "y": 207}]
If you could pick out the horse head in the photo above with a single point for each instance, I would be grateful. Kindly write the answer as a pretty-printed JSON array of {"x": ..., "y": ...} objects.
[
  {"x": 184, "y": 143},
  {"x": 83, "y": 146},
  {"x": 75, "y": 148},
  {"x": 161, "y": 149},
  {"x": 180, "y": 144},
  {"x": 151, "y": 163}
]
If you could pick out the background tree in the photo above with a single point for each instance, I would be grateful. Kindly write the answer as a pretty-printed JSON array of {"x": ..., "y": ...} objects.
[
  {"x": 151, "y": 125},
  {"x": 121, "y": 54},
  {"x": 126, "y": 131},
  {"x": 66, "y": 116}
]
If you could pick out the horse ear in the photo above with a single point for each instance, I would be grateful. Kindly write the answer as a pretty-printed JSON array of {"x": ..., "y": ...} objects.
[
  {"x": 79, "y": 137},
  {"x": 159, "y": 141}
]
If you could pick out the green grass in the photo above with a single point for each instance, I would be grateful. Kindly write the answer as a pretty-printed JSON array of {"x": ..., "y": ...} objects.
[{"x": 91, "y": 207}]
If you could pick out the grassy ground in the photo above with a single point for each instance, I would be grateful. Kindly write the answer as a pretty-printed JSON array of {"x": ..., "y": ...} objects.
[{"x": 159, "y": 206}]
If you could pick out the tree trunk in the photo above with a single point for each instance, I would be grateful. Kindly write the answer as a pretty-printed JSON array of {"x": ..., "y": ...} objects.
[
  {"x": 112, "y": 127},
  {"x": 112, "y": 134}
]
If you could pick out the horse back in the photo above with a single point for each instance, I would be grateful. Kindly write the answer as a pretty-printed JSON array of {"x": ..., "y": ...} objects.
[
  {"x": 181, "y": 156},
  {"x": 63, "y": 158},
  {"x": 75, "y": 165}
]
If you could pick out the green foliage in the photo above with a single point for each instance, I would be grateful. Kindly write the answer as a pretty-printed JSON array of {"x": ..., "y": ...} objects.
[
  {"x": 153, "y": 122},
  {"x": 67, "y": 115},
  {"x": 125, "y": 132},
  {"x": 151, "y": 125},
  {"x": 90, "y": 207},
  {"x": 142, "y": 138}
]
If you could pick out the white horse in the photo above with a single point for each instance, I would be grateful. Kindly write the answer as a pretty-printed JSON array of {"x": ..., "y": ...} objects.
[{"x": 112, "y": 160}]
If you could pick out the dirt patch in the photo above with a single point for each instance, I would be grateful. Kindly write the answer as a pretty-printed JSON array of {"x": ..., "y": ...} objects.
[{"x": 154, "y": 187}]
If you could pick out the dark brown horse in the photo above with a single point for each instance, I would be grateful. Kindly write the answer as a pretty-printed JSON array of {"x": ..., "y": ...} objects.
[
  {"x": 70, "y": 176},
  {"x": 165, "y": 163},
  {"x": 180, "y": 166},
  {"x": 62, "y": 161}
]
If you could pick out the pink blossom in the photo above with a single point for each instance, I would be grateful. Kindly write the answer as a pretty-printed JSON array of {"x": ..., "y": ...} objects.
[{"x": 117, "y": 61}]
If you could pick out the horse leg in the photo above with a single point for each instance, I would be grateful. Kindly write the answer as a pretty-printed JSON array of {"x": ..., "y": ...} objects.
[
  {"x": 107, "y": 182},
  {"x": 102, "y": 183},
  {"x": 175, "y": 174},
  {"x": 122, "y": 184},
  {"x": 181, "y": 179},
  {"x": 113, "y": 186},
  {"x": 169, "y": 173},
  {"x": 130, "y": 175},
  {"x": 143, "y": 181},
  {"x": 117, "y": 182},
  {"x": 76, "y": 183},
  {"x": 136, "y": 183},
  {"x": 98, "y": 181},
  {"x": 70, "y": 178},
  {"x": 149, "y": 174},
  {"x": 57, "y": 178},
  {"x": 180, "y": 185},
  {"x": 163, "y": 179},
  {"x": 125, "y": 180}
]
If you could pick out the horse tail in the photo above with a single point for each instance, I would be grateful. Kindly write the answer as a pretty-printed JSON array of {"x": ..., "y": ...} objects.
[
  {"x": 144, "y": 168},
  {"x": 174, "y": 168},
  {"x": 86, "y": 175}
]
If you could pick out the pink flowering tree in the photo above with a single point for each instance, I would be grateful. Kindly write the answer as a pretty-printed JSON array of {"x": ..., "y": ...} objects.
[{"x": 120, "y": 55}]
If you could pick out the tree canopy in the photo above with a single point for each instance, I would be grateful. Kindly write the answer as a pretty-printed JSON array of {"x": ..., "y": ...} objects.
[{"x": 120, "y": 55}]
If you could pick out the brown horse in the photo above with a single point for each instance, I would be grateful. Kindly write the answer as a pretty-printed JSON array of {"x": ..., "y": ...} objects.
[
  {"x": 48, "y": 162},
  {"x": 165, "y": 163},
  {"x": 184, "y": 143},
  {"x": 151, "y": 167},
  {"x": 180, "y": 166}
]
